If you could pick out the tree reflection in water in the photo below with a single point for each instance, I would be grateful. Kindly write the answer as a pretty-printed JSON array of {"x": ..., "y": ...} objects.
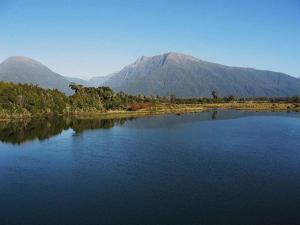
[{"x": 18, "y": 132}]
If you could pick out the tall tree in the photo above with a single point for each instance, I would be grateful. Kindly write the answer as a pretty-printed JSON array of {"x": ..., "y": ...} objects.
[{"x": 214, "y": 94}]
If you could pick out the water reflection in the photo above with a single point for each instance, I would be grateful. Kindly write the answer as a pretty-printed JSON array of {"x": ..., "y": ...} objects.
[
  {"x": 214, "y": 115},
  {"x": 18, "y": 132}
]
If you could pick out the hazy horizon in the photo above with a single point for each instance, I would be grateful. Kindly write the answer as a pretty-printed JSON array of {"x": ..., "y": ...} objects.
[{"x": 87, "y": 38}]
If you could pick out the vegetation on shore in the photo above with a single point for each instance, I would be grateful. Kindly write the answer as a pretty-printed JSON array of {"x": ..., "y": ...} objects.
[
  {"x": 24, "y": 100},
  {"x": 257, "y": 106},
  {"x": 27, "y": 100}
]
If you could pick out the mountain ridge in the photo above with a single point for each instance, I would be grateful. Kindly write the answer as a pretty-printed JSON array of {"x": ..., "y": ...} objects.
[
  {"x": 187, "y": 76},
  {"x": 165, "y": 74}
]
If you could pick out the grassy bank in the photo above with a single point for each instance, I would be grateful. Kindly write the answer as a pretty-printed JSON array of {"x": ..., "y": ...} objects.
[
  {"x": 256, "y": 106},
  {"x": 155, "y": 109},
  {"x": 159, "y": 109}
]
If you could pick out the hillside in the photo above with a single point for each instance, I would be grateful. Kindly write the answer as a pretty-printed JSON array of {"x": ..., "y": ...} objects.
[
  {"x": 99, "y": 81},
  {"x": 80, "y": 81},
  {"x": 19, "y": 69},
  {"x": 186, "y": 76}
]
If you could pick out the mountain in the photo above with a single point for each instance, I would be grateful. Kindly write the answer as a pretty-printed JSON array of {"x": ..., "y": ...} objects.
[
  {"x": 99, "y": 81},
  {"x": 170, "y": 73},
  {"x": 19, "y": 69},
  {"x": 76, "y": 80},
  {"x": 187, "y": 76}
]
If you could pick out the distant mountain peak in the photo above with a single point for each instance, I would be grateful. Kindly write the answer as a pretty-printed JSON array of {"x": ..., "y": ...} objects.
[
  {"x": 23, "y": 62},
  {"x": 20, "y": 59},
  {"x": 180, "y": 57},
  {"x": 163, "y": 58},
  {"x": 176, "y": 54},
  {"x": 21, "y": 69}
]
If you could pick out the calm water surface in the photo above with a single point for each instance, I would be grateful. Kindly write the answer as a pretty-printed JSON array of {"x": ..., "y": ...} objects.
[{"x": 214, "y": 168}]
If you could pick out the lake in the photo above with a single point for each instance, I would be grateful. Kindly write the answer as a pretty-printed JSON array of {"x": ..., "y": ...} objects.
[{"x": 212, "y": 168}]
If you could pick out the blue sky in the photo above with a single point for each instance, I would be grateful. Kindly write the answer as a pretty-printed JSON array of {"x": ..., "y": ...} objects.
[{"x": 89, "y": 38}]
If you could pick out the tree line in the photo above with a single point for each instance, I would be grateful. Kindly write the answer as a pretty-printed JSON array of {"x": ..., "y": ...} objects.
[{"x": 29, "y": 99}]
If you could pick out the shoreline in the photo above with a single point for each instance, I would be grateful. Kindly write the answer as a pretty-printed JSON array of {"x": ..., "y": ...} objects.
[
  {"x": 161, "y": 109},
  {"x": 111, "y": 114},
  {"x": 257, "y": 106}
]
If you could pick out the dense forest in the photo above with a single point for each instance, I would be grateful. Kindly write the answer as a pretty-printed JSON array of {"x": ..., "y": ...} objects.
[
  {"x": 27, "y": 100},
  {"x": 23, "y": 100}
]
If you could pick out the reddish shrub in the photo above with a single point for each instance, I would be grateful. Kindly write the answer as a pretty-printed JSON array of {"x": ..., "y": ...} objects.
[{"x": 138, "y": 106}]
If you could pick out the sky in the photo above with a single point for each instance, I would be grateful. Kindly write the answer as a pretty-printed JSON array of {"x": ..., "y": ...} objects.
[{"x": 95, "y": 38}]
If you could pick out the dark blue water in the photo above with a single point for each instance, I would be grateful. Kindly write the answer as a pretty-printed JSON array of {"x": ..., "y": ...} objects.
[{"x": 214, "y": 168}]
